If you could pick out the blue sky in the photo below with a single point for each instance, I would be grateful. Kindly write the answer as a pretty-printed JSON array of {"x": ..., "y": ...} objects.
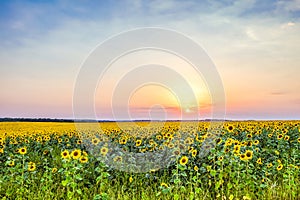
[{"x": 254, "y": 45}]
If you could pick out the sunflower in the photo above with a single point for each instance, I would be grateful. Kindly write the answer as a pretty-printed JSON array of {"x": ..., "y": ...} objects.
[
  {"x": 298, "y": 140},
  {"x": 45, "y": 152},
  {"x": 249, "y": 135},
  {"x": 84, "y": 153},
  {"x": 227, "y": 150},
  {"x": 176, "y": 152},
  {"x": 171, "y": 145},
  {"x": 244, "y": 143},
  {"x": 259, "y": 161},
  {"x": 79, "y": 141},
  {"x": 123, "y": 140},
  {"x": 196, "y": 168},
  {"x": 220, "y": 158},
  {"x": 75, "y": 154},
  {"x": 249, "y": 143},
  {"x": 130, "y": 179},
  {"x": 218, "y": 140},
  {"x": 159, "y": 137},
  {"x": 152, "y": 142},
  {"x": 54, "y": 170},
  {"x": 236, "y": 142},
  {"x": 164, "y": 185},
  {"x": 23, "y": 150},
  {"x": 279, "y": 161},
  {"x": 104, "y": 151},
  {"x": 230, "y": 128},
  {"x": 248, "y": 154},
  {"x": 188, "y": 141},
  {"x": 31, "y": 166},
  {"x": 256, "y": 142},
  {"x": 118, "y": 159},
  {"x": 286, "y": 138},
  {"x": 280, "y": 136},
  {"x": 11, "y": 163},
  {"x": 83, "y": 159},
  {"x": 194, "y": 153},
  {"x": 138, "y": 143},
  {"x": 65, "y": 154},
  {"x": 228, "y": 142},
  {"x": 236, "y": 149},
  {"x": 243, "y": 157},
  {"x": 183, "y": 160},
  {"x": 279, "y": 167},
  {"x": 190, "y": 149},
  {"x": 270, "y": 165},
  {"x": 95, "y": 141}
]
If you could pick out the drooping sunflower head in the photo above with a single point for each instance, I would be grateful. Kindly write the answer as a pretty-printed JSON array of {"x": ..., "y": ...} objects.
[
  {"x": 83, "y": 159},
  {"x": 164, "y": 185},
  {"x": 218, "y": 140}
]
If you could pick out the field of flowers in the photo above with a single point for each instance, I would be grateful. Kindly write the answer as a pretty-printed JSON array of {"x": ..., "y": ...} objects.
[{"x": 236, "y": 160}]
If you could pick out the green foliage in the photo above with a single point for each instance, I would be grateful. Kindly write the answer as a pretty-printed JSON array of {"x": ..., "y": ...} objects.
[{"x": 271, "y": 170}]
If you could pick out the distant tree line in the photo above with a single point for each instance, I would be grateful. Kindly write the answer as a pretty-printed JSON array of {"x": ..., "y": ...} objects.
[{"x": 34, "y": 120}]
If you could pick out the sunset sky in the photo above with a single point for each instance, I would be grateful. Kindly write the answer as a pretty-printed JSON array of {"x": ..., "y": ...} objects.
[{"x": 255, "y": 46}]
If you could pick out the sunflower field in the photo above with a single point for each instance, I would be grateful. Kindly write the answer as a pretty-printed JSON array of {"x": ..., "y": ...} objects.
[{"x": 142, "y": 160}]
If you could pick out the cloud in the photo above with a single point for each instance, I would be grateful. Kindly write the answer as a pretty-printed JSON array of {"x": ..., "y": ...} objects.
[
  {"x": 279, "y": 93},
  {"x": 290, "y": 5}
]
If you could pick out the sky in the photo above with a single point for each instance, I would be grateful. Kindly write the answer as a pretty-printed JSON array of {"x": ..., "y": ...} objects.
[{"x": 253, "y": 44}]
